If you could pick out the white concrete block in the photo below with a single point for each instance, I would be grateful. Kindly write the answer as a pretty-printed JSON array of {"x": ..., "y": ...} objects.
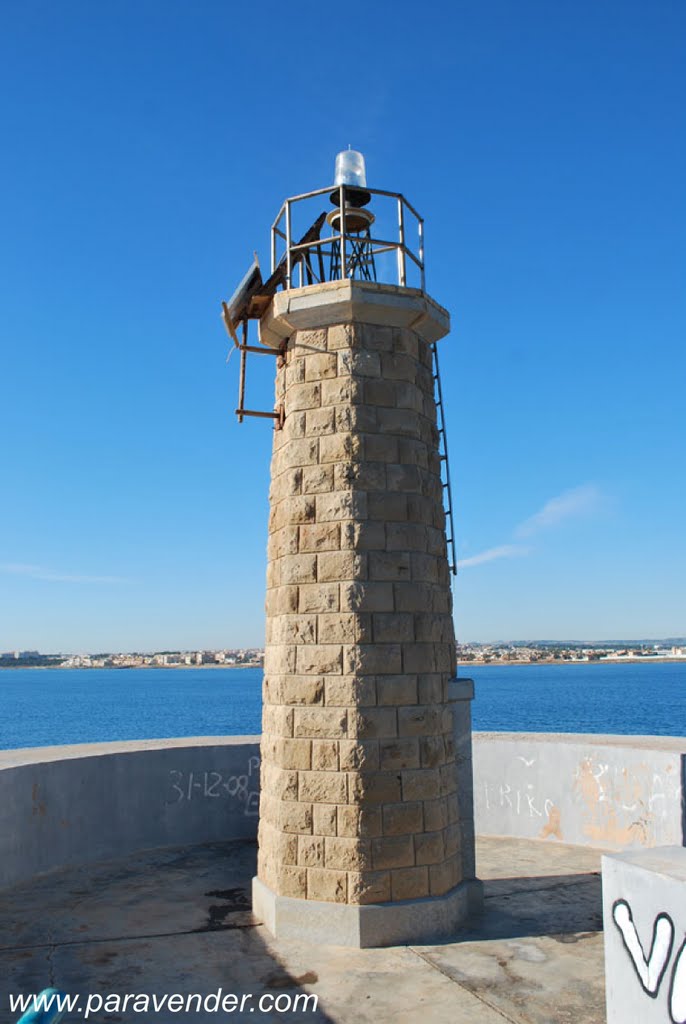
[{"x": 644, "y": 919}]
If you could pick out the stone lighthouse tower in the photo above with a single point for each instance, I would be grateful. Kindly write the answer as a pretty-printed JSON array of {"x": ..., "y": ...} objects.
[{"x": 366, "y": 826}]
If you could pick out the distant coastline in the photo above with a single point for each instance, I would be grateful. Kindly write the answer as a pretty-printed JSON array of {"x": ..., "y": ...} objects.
[
  {"x": 514, "y": 652},
  {"x": 115, "y": 668},
  {"x": 650, "y": 660},
  {"x": 659, "y": 660}
]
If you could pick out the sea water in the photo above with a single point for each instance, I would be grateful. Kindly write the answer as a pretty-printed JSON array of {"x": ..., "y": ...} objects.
[{"x": 41, "y": 707}]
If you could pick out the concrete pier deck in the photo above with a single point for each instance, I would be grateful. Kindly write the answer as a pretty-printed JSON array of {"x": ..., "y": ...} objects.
[{"x": 179, "y": 921}]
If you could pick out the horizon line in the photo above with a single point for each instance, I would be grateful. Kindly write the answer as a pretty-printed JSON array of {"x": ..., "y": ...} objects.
[{"x": 252, "y": 647}]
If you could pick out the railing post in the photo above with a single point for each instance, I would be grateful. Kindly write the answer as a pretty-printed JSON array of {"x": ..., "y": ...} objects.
[
  {"x": 288, "y": 243},
  {"x": 341, "y": 200},
  {"x": 421, "y": 252},
  {"x": 241, "y": 379},
  {"x": 401, "y": 247}
]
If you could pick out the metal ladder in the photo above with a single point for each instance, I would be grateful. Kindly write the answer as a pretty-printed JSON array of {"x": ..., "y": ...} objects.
[{"x": 445, "y": 466}]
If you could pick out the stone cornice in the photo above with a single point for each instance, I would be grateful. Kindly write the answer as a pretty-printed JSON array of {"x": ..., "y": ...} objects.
[{"x": 349, "y": 301}]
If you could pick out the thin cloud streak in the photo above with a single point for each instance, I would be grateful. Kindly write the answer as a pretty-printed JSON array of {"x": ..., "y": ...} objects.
[
  {"x": 37, "y": 572},
  {"x": 579, "y": 501},
  {"x": 504, "y": 551}
]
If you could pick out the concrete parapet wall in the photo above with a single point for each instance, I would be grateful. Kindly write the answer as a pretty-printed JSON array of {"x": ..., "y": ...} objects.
[
  {"x": 609, "y": 792},
  {"x": 73, "y": 805}
]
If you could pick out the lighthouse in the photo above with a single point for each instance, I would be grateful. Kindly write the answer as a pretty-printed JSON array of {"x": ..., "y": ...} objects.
[{"x": 366, "y": 822}]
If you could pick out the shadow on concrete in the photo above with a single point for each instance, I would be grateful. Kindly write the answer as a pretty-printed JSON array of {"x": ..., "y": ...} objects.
[
  {"x": 164, "y": 921},
  {"x": 178, "y": 920},
  {"x": 563, "y": 907}
]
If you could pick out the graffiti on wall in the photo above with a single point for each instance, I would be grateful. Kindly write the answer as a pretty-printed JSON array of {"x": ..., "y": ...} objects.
[
  {"x": 650, "y": 970},
  {"x": 521, "y": 800},
  {"x": 623, "y": 805},
  {"x": 244, "y": 789},
  {"x": 578, "y": 795}
]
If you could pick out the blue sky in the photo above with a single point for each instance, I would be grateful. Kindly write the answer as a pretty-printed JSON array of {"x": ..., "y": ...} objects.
[{"x": 146, "y": 149}]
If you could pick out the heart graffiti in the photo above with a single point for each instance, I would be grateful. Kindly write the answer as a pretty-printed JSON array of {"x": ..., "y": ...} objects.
[{"x": 650, "y": 970}]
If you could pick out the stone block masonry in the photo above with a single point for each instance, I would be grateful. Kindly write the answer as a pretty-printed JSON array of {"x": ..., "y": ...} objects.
[{"x": 359, "y": 788}]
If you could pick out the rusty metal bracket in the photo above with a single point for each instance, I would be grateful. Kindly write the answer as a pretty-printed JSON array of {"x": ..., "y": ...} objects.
[{"x": 279, "y": 414}]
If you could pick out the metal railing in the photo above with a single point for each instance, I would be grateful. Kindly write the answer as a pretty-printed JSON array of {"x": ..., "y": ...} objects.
[{"x": 300, "y": 254}]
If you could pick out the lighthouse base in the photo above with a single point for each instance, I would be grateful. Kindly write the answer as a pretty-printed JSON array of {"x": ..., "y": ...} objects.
[{"x": 405, "y": 922}]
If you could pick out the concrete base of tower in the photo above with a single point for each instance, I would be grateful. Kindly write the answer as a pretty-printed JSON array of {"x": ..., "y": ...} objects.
[{"x": 406, "y": 922}]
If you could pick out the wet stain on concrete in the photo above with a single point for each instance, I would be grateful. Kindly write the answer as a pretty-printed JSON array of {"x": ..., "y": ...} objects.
[
  {"x": 282, "y": 979},
  {"x": 104, "y": 958},
  {"x": 236, "y": 897},
  {"x": 234, "y": 900},
  {"x": 510, "y": 974}
]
